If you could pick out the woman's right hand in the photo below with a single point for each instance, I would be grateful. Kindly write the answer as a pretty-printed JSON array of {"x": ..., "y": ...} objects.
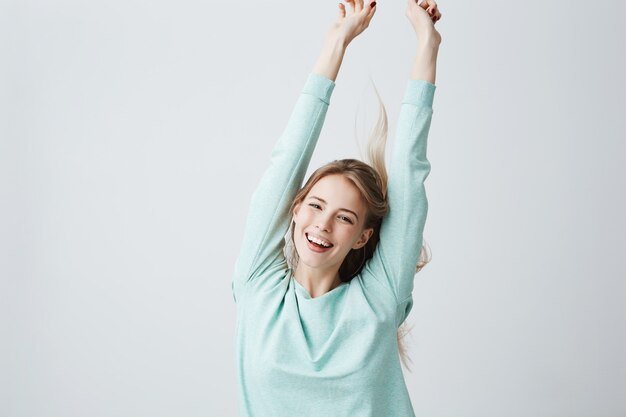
[
  {"x": 423, "y": 14},
  {"x": 349, "y": 25}
]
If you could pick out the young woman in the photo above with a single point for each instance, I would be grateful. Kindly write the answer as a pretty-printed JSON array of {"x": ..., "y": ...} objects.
[{"x": 318, "y": 336}]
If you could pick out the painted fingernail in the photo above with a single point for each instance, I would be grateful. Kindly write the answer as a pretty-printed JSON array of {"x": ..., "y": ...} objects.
[{"x": 372, "y": 4}]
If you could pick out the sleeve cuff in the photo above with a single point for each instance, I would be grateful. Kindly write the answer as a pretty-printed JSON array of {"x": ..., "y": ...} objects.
[
  {"x": 419, "y": 93},
  {"x": 319, "y": 86}
]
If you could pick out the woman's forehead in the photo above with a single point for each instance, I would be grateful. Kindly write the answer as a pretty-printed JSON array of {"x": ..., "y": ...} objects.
[{"x": 336, "y": 190}]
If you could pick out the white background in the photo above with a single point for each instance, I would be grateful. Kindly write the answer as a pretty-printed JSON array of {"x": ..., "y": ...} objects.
[{"x": 132, "y": 135}]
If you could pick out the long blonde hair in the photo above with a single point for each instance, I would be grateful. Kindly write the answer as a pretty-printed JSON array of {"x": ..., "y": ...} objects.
[{"x": 371, "y": 180}]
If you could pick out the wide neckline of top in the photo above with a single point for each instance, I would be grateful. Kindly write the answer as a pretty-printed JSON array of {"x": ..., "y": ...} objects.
[{"x": 306, "y": 294}]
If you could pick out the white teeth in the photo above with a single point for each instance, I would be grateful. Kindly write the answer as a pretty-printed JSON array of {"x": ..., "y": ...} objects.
[{"x": 318, "y": 241}]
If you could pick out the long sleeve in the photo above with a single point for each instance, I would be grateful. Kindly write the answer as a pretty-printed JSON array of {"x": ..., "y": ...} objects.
[
  {"x": 268, "y": 217},
  {"x": 398, "y": 250}
]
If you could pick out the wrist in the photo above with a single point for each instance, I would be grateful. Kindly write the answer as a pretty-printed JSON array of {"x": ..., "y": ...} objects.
[
  {"x": 335, "y": 44},
  {"x": 429, "y": 41},
  {"x": 330, "y": 59},
  {"x": 428, "y": 50}
]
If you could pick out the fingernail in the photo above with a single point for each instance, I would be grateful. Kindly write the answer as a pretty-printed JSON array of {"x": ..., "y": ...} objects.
[{"x": 372, "y": 4}]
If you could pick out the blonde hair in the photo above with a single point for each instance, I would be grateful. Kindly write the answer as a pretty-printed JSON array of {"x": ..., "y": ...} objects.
[{"x": 371, "y": 180}]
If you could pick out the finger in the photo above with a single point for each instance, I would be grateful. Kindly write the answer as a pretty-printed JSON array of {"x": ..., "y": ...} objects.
[
  {"x": 371, "y": 10},
  {"x": 359, "y": 5},
  {"x": 429, "y": 5},
  {"x": 436, "y": 18},
  {"x": 423, "y": 4},
  {"x": 351, "y": 5},
  {"x": 342, "y": 10}
]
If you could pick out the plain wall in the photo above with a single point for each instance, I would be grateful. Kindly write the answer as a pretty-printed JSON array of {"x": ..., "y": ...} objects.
[{"x": 132, "y": 135}]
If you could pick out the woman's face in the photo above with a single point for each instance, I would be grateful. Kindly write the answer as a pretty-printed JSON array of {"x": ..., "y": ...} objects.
[{"x": 334, "y": 212}]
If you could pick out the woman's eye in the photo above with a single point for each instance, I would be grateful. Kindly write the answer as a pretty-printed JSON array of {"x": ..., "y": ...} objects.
[
  {"x": 346, "y": 219},
  {"x": 314, "y": 205}
]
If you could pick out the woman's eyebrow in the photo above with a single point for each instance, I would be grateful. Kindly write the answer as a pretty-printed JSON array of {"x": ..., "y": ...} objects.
[{"x": 345, "y": 209}]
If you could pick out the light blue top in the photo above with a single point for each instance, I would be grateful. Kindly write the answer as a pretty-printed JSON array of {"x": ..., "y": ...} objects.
[{"x": 335, "y": 355}]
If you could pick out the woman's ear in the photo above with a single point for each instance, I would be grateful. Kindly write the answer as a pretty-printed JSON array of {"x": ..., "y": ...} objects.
[
  {"x": 365, "y": 236},
  {"x": 296, "y": 209}
]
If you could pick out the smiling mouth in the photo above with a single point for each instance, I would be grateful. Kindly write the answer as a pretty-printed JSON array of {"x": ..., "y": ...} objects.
[{"x": 314, "y": 243}]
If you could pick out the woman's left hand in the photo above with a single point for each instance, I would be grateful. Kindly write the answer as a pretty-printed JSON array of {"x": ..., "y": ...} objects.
[{"x": 423, "y": 14}]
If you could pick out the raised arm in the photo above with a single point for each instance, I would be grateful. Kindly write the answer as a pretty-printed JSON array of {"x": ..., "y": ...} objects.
[
  {"x": 398, "y": 250},
  {"x": 268, "y": 217}
]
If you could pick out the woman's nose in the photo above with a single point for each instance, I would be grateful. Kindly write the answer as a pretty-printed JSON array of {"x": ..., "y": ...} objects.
[{"x": 324, "y": 223}]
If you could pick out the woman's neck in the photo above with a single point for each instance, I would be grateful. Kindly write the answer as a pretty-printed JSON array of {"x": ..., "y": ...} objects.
[{"x": 316, "y": 282}]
